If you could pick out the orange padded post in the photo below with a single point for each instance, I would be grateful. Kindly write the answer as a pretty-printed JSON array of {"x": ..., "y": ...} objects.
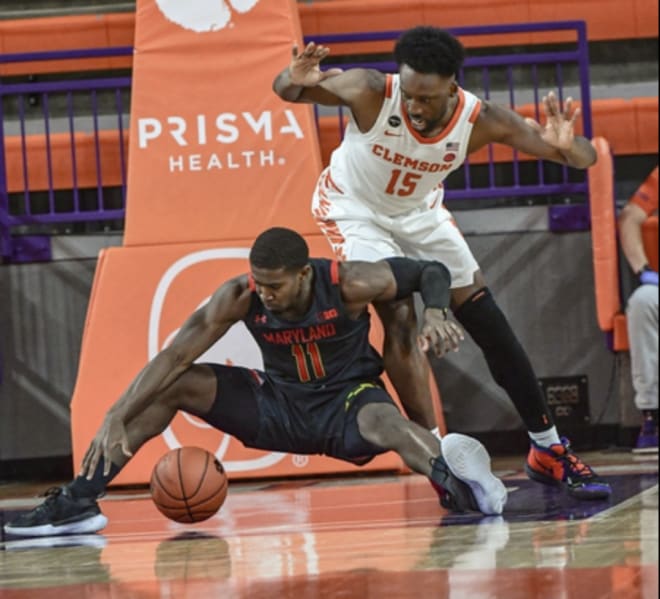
[
  {"x": 603, "y": 232},
  {"x": 215, "y": 157}
]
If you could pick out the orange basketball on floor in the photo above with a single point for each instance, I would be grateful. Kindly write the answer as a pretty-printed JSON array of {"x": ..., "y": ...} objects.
[{"x": 188, "y": 484}]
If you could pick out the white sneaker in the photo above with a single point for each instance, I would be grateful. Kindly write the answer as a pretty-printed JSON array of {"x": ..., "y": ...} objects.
[{"x": 469, "y": 461}]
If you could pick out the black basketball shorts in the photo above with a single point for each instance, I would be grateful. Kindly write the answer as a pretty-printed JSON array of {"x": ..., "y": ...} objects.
[{"x": 293, "y": 418}]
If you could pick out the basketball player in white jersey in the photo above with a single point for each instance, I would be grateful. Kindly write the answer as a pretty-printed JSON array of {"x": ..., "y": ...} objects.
[{"x": 382, "y": 195}]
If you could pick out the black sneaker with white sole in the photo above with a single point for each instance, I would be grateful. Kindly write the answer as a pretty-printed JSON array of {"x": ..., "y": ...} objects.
[
  {"x": 454, "y": 494},
  {"x": 463, "y": 479},
  {"x": 60, "y": 514},
  {"x": 468, "y": 460}
]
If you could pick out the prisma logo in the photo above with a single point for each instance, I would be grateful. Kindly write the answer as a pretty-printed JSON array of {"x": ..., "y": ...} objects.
[
  {"x": 224, "y": 129},
  {"x": 202, "y": 16}
]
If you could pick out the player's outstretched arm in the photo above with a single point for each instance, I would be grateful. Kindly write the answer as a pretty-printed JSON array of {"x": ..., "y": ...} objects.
[
  {"x": 201, "y": 330},
  {"x": 554, "y": 140},
  {"x": 304, "y": 81}
]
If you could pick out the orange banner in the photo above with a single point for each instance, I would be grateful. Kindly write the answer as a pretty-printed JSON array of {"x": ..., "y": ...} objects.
[
  {"x": 214, "y": 153},
  {"x": 141, "y": 296},
  {"x": 215, "y": 158}
]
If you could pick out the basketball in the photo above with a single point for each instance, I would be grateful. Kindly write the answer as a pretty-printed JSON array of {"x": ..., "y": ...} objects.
[{"x": 188, "y": 485}]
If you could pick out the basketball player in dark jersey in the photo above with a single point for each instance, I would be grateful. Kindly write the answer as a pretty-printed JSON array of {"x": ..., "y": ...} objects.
[{"x": 319, "y": 393}]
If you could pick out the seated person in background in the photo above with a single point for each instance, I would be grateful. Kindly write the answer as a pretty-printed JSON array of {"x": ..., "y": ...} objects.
[
  {"x": 320, "y": 391},
  {"x": 642, "y": 310}
]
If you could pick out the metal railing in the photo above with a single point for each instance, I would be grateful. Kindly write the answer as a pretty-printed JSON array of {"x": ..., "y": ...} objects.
[
  {"x": 48, "y": 149},
  {"x": 514, "y": 79}
]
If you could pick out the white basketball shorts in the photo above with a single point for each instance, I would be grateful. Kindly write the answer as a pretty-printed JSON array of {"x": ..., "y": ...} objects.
[{"x": 357, "y": 231}]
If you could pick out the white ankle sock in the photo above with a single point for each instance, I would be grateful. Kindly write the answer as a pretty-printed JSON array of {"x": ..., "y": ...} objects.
[
  {"x": 436, "y": 433},
  {"x": 546, "y": 438}
]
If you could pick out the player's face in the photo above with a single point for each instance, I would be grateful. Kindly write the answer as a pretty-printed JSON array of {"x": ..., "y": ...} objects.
[
  {"x": 427, "y": 99},
  {"x": 280, "y": 290}
]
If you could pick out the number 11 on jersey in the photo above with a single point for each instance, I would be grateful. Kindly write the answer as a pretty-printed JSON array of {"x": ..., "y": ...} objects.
[{"x": 308, "y": 361}]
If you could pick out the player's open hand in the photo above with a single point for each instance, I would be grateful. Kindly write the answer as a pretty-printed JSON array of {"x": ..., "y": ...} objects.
[
  {"x": 439, "y": 333},
  {"x": 112, "y": 434},
  {"x": 304, "y": 68},
  {"x": 559, "y": 129}
]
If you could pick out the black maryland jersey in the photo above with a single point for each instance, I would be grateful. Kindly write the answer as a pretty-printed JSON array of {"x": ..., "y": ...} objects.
[{"x": 325, "y": 348}]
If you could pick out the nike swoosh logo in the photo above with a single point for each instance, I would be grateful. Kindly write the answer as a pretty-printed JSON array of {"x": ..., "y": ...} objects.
[{"x": 390, "y": 134}]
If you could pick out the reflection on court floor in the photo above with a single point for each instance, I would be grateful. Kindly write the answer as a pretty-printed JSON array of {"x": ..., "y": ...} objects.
[{"x": 368, "y": 537}]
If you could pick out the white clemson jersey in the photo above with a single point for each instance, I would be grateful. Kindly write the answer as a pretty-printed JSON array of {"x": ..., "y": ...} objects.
[{"x": 392, "y": 168}]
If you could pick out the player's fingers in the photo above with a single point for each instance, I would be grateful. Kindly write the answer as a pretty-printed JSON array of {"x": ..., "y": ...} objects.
[
  {"x": 106, "y": 460},
  {"x": 294, "y": 50},
  {"x": 575, "y": 115},
  {"x": 309, "y": 49},
  {"x": 321, "y": 51},
  {"x": 443, "y": 346},
  {"x": 93, "y": 463},
  {"x": 436, "y": 341},
  {"x": 452, "y": 335},
  {"x": 85, "y": 462},
  {"x": 455, "y": 337},
  {"x": 423, "y": 343},
  {"x": 568, "y": 111},
  {"x": 125, "y": 448},
  {"x": 547, "y": 107},
  {"x": 551, "y": 104}
]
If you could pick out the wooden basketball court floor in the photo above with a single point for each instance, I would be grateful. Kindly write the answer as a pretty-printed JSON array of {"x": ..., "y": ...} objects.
[{"x": 376, "y": 536}]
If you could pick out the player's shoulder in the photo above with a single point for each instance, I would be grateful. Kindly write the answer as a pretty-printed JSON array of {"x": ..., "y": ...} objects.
[
  {"x": 240, "y": 286},
  {"x": 231, "y": 300},
  {"x": 376, "y": 80},
  {"x": 242, "y": 281},
  {"x": 488, "y": 111}
]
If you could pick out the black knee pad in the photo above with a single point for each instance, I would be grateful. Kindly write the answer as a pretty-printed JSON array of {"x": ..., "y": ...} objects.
[
  {"x": 507, "y": 360},
  {"x": 486, "y": 323}
]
